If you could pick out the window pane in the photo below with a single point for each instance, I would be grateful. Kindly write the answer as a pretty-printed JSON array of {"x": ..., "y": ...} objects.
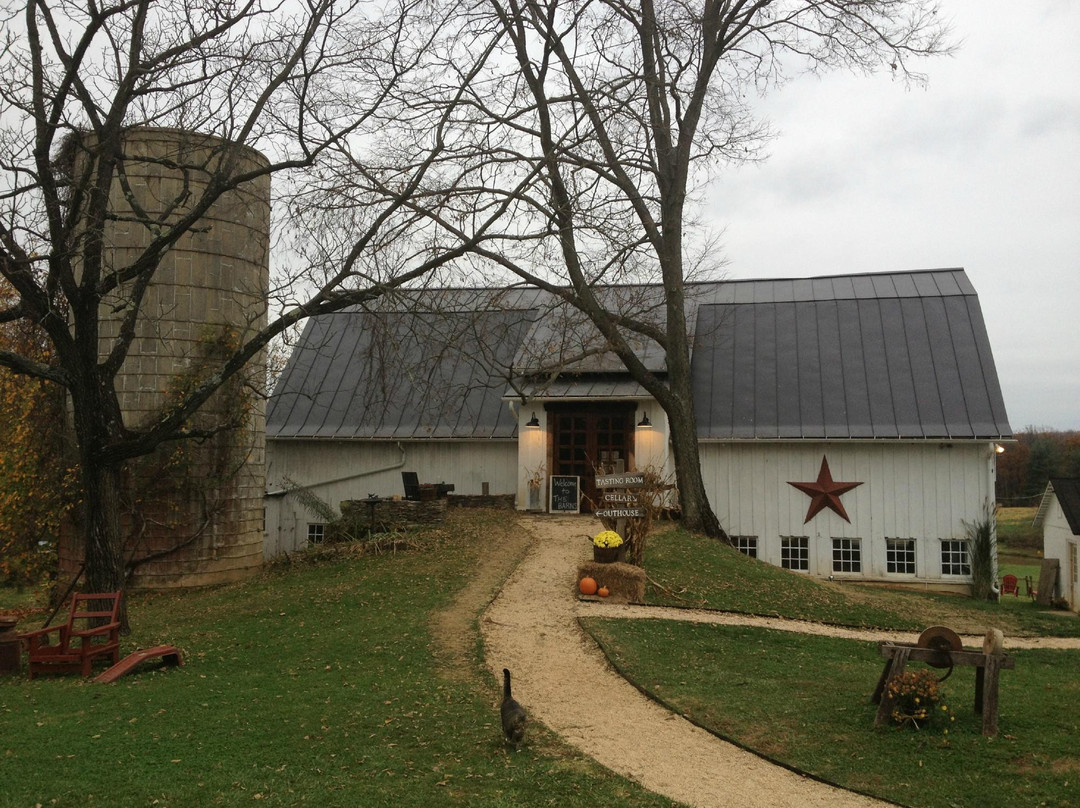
[
  {"x": 900, "y": 556},
  {"x": 795, "y": 553},
  {"x": 747, "y": 545},
  {"x": 847, "y": 555},
  {"x": 954, "y": 557}
]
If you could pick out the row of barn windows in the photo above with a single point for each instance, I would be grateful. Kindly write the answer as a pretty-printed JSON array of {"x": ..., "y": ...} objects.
[{"x": 847, "y": 554}]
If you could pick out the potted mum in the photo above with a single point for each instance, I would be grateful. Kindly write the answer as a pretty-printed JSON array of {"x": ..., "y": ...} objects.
[{"x": 608, "y": 546}]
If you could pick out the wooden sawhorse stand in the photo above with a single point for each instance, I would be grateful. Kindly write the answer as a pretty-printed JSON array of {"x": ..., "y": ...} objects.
[{"x": 987, "y": 668}]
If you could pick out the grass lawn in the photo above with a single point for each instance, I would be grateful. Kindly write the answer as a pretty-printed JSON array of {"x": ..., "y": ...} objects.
[
  {"x": 804, "y": 701},
  {"x": 19, "y": 600},
  {"x": 324, "y": 683},
  {"x": 1015, "y": 532},
  {"x": 318, "y": 684},
  {"x": 689, "y": 570}
]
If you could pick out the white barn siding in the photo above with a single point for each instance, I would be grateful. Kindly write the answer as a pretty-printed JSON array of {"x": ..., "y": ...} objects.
[
  {"x": 340, "y": 470},
  {"x": 926, "y": 491},
  {"x": 1060, "y": 543}
]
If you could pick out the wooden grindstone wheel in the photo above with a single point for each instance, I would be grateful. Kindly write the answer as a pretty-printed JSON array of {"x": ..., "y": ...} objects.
[{"x": 943, "y": 640}]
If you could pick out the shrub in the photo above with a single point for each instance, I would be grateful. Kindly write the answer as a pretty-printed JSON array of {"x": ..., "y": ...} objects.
[
  {"x": 982, "y": 550},
  {"x": 917, "y": 698}
]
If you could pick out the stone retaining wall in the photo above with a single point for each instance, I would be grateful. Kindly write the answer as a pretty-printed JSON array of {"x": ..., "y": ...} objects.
[
  {"x": 502, "y": 502},
  {"x": 391, "y": 514}
]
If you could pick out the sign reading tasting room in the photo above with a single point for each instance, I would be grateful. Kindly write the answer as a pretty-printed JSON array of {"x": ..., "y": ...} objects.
[{"x": 624, "y": 498}]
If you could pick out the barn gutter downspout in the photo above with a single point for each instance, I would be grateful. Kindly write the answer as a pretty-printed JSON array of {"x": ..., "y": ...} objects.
[{"x": 392, "y": 467}]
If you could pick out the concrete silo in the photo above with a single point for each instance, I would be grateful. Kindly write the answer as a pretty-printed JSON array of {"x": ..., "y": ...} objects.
[{"x": 193, "y": 513}]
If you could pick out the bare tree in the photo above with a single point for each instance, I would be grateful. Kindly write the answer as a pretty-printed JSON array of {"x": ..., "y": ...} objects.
[
  {"x": 601, "y": 119},
  {"x": 309, "y": 85}
]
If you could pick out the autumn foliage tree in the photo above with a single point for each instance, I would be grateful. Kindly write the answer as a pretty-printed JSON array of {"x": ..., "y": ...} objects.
[
  {"x": 35, "y": 481},
  {"x": 1026, "y": 466}
]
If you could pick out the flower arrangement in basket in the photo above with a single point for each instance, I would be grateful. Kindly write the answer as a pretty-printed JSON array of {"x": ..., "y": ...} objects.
[
  {"x": 654, "y": 497},
  {"x": 608, "y": 546},
  {"x": 917, "y": 698},
  {"x": 607, "y": 538}
]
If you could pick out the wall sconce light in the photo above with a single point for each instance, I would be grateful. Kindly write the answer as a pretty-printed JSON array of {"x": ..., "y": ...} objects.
[
  {"x": 644, "y": 423},
  {"x": 999, "y": 448},
  {"x": 533, "y": 422}
]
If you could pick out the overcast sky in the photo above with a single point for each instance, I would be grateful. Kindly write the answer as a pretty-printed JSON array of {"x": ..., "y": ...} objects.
[{"x": 980, "y": 170}]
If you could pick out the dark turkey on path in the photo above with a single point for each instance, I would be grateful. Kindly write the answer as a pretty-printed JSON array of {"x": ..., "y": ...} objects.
[{"x": 513, "y": 714}]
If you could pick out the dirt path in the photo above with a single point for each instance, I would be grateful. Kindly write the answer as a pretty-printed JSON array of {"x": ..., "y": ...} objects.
[
  {"x": 531, "y": 627},
  {"x": 798, "y": 626}
]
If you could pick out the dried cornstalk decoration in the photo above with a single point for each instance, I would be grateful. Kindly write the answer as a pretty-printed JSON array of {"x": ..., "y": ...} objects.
[{"x": 654, "y": 498}]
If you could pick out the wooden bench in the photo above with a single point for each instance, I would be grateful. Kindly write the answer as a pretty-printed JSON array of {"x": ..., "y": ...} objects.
[{"x": 92, "y": 631}]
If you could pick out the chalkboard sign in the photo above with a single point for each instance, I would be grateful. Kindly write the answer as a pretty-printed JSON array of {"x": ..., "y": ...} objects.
[{"x": 565, "y": 494}]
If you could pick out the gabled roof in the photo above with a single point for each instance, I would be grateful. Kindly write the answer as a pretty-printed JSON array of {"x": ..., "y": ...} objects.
[
  {"x": 1067, "y": 491},
  {"x": 399, "y": 375},
  {"x": 904, "y": 355},
  {"x": 897, "y": 355}
]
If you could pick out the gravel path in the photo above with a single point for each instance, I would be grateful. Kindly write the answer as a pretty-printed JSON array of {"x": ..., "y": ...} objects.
[
  {"x": 594, "y": 609},
  {"x": 531, "y": 628}
]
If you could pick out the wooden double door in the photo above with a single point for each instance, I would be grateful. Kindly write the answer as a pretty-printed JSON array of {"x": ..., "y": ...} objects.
[{"x": 591, "y": 439}]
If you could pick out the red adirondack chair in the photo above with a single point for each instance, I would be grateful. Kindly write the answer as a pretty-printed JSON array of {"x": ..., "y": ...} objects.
[
  {"x": 1010, "y": 586},
  {"x": 92, "y": 631}
]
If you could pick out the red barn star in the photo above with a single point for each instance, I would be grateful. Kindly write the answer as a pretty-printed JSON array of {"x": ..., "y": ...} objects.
[{"x": 825, "y": 493}]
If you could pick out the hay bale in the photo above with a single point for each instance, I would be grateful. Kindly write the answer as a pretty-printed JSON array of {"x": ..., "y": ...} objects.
[{"x": 625, "y": 581}]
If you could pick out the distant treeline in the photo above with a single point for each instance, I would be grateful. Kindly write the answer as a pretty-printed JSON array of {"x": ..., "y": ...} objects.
[{"x": 1027, "y": 465}]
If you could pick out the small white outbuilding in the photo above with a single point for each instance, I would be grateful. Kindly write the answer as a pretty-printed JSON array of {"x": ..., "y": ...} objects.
[{"x": 1059, "y": 515}]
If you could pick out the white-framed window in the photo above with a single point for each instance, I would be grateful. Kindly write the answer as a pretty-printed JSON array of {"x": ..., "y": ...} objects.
[
  {"x": 954, "y": 557},
  {"x": 316, "y": 532},
  {"x": 795, "y": 553},
  {"x": 847, "y": 555},
  {"x": 900, "y": 556},
  {"x": 747, "y": 545}
]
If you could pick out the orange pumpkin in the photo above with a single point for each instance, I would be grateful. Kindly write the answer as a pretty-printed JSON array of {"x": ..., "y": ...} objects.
[
  {"x": 603, "y": 592},
  {"x": 587, "y": 585}
]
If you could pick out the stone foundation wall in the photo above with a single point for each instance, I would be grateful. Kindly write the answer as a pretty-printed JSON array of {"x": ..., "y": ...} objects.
[
  {"x": 391, "y": 514},
  {"x": 502, "y": 502}
]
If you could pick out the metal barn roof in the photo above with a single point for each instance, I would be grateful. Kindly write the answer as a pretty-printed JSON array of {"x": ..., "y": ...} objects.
[
  {"x": 896, "y": 355},
  {"x": 904, "y": 355},
  {"x": 395, "y": 375}
]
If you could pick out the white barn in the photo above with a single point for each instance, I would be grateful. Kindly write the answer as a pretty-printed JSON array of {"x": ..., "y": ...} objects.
[
  {"x": 1059, "y": 515},
  {"x": 848, "y": 424}
]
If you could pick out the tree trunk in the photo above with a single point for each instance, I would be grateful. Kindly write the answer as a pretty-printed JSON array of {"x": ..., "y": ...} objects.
[
  {"x": 697, "y": 512},
  {"x": 97, "y": 415},
  {"x": 103, "y": 554}
]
